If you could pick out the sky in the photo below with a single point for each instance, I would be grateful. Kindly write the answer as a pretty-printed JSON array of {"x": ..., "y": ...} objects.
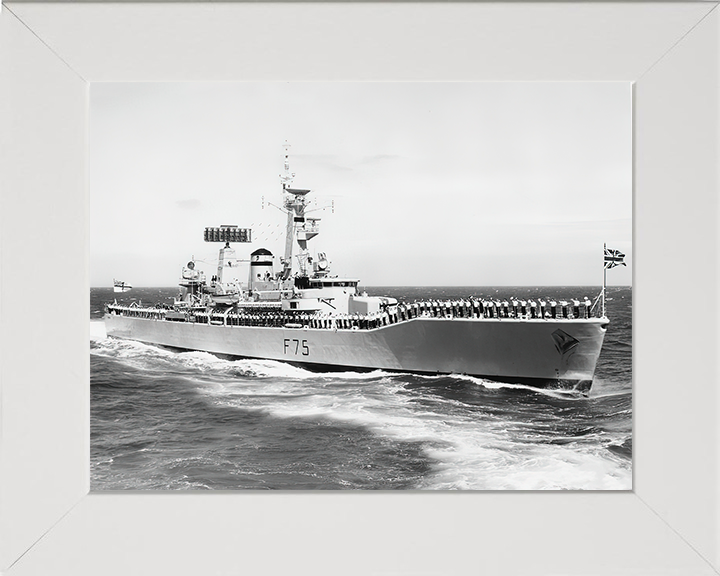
[{"x": 432, "y": 184}]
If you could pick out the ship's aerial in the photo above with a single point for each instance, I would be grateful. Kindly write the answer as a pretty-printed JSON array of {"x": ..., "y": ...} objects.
[{"x": 304, "y": 314}]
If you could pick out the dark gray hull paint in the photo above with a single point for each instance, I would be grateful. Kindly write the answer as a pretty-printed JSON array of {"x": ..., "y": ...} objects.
[{"x": 561, "y": 353}]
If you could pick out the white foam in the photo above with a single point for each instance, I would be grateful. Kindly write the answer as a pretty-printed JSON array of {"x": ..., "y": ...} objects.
[
  {"x": 470, "y": 449},
  {"x": 536, "y": 467},
  {"x": 491, "y": 385}
]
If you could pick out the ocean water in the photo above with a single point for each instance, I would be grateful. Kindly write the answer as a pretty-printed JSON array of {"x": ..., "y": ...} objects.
[{"x": 167, "y": 420}]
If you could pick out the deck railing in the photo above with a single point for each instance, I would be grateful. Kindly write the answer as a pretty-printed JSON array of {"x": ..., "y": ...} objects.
[{"x": 271, "y": 317}]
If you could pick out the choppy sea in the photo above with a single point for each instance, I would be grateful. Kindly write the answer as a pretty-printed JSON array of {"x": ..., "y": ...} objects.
[{"x": 167, "y": 420}]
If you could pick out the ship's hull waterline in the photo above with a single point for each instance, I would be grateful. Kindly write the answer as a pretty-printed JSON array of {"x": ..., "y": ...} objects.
[{"x": 558, "y": 353}]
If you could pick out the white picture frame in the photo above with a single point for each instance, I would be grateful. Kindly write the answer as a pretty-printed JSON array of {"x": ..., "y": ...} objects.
[{"x": 49, "y": 523}]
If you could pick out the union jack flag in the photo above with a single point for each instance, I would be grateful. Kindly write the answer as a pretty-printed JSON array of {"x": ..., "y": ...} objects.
[{"x": 613, "y": 258}]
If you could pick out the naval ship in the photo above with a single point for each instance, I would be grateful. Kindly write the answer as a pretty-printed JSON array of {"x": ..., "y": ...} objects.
[{"x": 305, "y": 315}]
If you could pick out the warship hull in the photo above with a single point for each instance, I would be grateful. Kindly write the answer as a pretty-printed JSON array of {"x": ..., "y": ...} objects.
[{"x": 558, "y": 353}]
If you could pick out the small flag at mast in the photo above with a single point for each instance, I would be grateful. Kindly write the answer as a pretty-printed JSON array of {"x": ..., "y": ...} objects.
[{"x": 613, "y": 258}]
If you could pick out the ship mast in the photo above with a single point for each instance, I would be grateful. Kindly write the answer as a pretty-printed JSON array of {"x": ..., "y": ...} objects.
[
  {"x": 286, "y": 178},
  {"x": 297, "y": 227}
]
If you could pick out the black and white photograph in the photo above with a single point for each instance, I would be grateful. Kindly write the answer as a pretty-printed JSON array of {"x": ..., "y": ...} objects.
[{"x": 360, "y": 286}]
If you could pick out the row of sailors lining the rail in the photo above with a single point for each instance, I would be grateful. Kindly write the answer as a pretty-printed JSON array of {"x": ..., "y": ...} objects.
[
  {"x": 434, "y": 309},
  {"x": 403, "y": 312},
  {"x": 523, "y": 309},
  {"x": 297, "y": 320},
  {"x": 266, "y": 320},
  {"x": 137, "y": 312},
  {"x": 475, "y": 308}
]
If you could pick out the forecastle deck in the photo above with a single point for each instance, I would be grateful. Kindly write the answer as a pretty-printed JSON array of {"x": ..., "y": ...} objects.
[{"x": 548, "y": 344}]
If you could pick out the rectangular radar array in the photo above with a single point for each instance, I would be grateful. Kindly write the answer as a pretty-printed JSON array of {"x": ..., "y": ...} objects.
[{"x": 227, "y": 234}]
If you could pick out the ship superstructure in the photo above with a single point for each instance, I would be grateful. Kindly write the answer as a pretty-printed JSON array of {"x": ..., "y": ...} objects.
[{"x": 304, "y": 314}]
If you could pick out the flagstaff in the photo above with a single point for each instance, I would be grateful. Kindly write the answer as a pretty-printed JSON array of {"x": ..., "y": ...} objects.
[
  {"x": 604, "y": 284},
  {"x": 612, "y": 258}
]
